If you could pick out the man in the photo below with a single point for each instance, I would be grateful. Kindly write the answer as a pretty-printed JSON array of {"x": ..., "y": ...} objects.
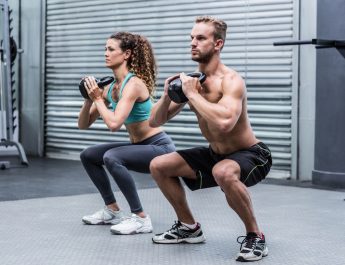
[{"x": 235, "y": 158}]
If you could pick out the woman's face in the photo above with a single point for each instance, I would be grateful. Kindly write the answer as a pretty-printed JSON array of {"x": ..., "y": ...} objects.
[{"x": 114, "y": 56}]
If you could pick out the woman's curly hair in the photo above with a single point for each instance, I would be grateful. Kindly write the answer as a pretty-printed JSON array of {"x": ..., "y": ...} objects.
[{"x": 142, "y": 61}]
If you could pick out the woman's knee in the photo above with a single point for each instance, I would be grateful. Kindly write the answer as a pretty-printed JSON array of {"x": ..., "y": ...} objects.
[
  {"x": 111, "y": 159},
  {"x": 87, "y": 155}
]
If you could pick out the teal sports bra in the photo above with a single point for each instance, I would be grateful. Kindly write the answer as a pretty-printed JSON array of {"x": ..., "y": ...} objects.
[{"x": 141, "y": 110}]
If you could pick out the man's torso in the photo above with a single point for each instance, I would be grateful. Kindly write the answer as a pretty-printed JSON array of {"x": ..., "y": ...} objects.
[{"x": 241, "y": 136}]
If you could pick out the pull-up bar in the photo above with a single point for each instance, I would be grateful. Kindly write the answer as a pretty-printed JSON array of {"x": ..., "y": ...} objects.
[{"x": 320, "y": 44}]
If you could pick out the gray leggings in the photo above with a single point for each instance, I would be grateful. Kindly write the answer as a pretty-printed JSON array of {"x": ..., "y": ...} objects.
[{"x": 119, "y": 158}]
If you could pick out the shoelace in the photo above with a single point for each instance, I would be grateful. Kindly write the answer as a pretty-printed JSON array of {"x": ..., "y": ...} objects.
[
  {"x": 129, "y": 219},
  {"x": 175, "y": 226},
  {"x": 103, "y": 212},
  {"x": 248, "y": 242},
  {"x": 100, "y": 213}
]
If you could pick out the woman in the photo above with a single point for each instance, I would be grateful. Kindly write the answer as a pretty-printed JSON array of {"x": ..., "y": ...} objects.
[{"x": 132, "y": 61}]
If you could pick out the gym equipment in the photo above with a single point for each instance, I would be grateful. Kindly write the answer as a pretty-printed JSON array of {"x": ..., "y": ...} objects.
[
  {"x": 320, "y": 44},
  {"x": 175, "y": 91},
  {"x": 8, "y": 51},
  {"x": 13, "y": 48},
  {"x": 100, "y": 82}
]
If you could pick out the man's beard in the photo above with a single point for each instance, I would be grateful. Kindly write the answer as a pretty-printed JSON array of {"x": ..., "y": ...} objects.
[{"x": 203, "y": 58}]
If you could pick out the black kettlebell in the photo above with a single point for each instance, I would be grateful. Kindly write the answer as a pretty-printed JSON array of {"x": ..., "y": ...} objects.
[
  {"x": 175, "y": 91},
  {"x": 100, "y": 82}
]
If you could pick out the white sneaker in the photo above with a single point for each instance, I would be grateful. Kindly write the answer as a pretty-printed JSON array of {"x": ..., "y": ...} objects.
[
  {"x": 104, "y": 216},
  {"x": 133, "y": 225},
  {"x": 180, "y": 233},
  {"x": 253, "y": 247}
]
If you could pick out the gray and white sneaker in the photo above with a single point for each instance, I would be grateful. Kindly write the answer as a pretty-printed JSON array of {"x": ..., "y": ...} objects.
[
  {"x": 133, "y": 225},
  {"x": 103, "y": 217},
  {"x": 180, "y": 233},
  {"x": 253, "y": 247}
]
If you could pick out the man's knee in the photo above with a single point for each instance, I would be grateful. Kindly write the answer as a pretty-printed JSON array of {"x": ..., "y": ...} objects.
[
  {"x": 157, "y": 166},
  {"x": 226, "y": 175}
]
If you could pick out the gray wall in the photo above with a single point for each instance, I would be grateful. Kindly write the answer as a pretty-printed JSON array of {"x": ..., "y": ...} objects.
[
  {"x": 75, "y": 38},
  {"x": 330, "y": 94},
  {"x": 325, "y": 134},
  {"x": 306, "y": 91}
]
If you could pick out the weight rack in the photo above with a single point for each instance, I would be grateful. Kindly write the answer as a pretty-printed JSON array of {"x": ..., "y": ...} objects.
[{"x": 8, "y": 52}]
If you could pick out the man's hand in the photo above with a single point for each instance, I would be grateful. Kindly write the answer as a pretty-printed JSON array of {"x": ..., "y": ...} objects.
[{"x": 190, "y": 84}]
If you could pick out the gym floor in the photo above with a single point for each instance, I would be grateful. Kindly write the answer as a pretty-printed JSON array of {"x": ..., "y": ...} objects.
[{"x": 41, "y": 208}]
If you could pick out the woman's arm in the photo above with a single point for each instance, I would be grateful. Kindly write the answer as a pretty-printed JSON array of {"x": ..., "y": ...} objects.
[
  {"x": 115, "y": 119},
  {"x": 87, "y": 115}
]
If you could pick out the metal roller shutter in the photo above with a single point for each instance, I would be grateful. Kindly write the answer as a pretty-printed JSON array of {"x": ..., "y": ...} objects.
[{"x": 76, "y": 32}]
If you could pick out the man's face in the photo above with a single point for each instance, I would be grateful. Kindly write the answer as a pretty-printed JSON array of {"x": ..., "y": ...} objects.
[{"x": 202, "y": 42}]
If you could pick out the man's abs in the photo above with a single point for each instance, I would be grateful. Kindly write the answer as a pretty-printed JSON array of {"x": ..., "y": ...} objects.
[{"x": 240, "y": 137}]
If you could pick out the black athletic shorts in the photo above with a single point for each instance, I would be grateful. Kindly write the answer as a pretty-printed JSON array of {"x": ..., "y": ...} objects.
[{"x": 255, "y": 163}]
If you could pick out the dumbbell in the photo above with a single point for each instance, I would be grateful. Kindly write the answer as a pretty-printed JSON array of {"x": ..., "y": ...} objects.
[
  {"x": 175, "y": 91},
  {"x": 100, "y": 82}
]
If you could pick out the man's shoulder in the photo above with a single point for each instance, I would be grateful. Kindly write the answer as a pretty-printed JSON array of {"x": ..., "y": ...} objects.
[
  {"x": 232, "y": 79},
  {"x": 230, "y": 73}
]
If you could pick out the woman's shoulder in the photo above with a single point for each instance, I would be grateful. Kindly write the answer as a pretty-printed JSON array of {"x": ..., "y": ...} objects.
[
  {"x": 136, "y": 81},
  {"x": 135, "y": 87}
]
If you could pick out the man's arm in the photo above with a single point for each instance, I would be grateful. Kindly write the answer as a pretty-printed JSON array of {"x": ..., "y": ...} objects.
[
  {"x": 164, "y": 109},
  {"x": 225, "y": 113}
]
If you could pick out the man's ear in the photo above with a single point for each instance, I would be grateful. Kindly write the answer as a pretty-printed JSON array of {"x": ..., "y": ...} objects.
[{"x": 219, "y": 44}]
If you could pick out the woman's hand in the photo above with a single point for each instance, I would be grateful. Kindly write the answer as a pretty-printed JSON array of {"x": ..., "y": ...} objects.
[{"x": 92, "y": 88}]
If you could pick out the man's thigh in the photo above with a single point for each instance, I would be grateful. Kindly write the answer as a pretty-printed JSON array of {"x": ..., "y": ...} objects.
[
  {"x": 254, "y": 163},
  {"x": 174, "y": 166},
  {"x": 202, "y": 162}
]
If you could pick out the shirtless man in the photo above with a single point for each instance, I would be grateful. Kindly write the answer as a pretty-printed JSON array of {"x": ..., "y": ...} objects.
[{"x": 235, "y": 158}]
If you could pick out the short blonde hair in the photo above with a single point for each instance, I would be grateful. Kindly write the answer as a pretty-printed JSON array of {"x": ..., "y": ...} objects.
[{"x": 220, "y": 26}]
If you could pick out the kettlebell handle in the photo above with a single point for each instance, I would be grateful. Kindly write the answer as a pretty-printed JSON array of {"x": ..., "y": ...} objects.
[
  {"x": 175, "y": 91},
  {"x": 102, "y": 82}
]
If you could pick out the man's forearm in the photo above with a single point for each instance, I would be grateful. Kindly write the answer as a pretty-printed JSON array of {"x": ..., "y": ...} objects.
[
  {"x": 160, "y": 112},
  {"x": 213, "y": 113}
]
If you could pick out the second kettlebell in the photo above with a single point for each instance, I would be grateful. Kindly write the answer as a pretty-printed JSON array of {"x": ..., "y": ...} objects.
[{"x": 175, "y": 91}]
